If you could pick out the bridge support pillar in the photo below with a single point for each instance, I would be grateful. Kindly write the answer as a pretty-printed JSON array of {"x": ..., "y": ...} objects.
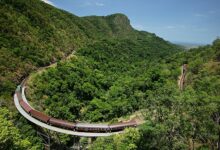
[
  {"x": 89, "y": 140},
  {"x": 46, "y": 139}
]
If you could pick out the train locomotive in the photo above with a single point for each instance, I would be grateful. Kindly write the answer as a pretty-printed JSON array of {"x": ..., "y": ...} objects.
[{"x": 80, "y": 127}]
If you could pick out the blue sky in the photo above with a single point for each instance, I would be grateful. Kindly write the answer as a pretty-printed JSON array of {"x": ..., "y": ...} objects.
[{"x": 193, "y": 21}]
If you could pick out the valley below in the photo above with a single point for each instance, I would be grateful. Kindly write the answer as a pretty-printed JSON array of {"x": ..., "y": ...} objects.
[{"x": 99, "y": 69}]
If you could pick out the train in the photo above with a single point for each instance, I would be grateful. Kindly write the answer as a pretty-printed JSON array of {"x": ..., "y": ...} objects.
[{"x": 80, "y": 127}]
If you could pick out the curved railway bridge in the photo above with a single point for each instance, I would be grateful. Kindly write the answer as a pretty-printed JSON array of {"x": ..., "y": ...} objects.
[{"x": 62, "y": 126}]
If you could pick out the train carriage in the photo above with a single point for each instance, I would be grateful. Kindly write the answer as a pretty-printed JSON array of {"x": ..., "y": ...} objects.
[
  {"x": 62, "y": 123},
  {"x": 122, "y": 126},
  {"x": 85, "y": 127},
  {"x": 40, "y": 116},
  {"x": 19, "y": 96},
  {"x": 81, "y": 127},
  {"x": 25, "y": 106}
]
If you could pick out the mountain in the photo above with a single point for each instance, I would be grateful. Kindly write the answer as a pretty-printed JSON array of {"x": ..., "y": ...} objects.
[
  {"x": 188, "y": 45},
  {"x": 117, "y": 25},
  {"x": 31, "y": 38},
  {"x": 116, "y": 72},
  {"x": 100, "y": 81},
  {"x": 118, "y": 63},
  {"x": 175, "y": 119}
]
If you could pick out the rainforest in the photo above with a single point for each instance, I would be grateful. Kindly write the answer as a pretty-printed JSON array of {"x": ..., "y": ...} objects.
[{"x": 99, "y": 69}]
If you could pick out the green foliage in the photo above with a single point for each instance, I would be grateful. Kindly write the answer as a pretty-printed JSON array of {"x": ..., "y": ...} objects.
[
  {"x": 31, "y": 38},
  {"x": 126, "y": 141},
  {"x": 190, "y": 118},
  {"x": 117, "y": 70},
  {"x": 10, "y": 136},
  {"x": 107, "y": 79}
]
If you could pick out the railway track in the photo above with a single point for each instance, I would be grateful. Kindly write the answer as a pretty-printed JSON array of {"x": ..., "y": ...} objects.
[
  {"x": 53, "y": 128},
  {"x": 82, "y": 133},
  {"x": 62, "y": 126},
  {"x": 183, "y": 76}
]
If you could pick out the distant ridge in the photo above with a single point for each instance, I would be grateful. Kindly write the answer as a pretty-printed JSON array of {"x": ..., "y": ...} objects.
[{"x": 188, "y": 45}]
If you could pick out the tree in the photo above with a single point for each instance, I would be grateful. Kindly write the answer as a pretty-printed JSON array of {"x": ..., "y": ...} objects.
[
  {"x": 10, "y": 137},
  {"x": 125, "y": 141}
]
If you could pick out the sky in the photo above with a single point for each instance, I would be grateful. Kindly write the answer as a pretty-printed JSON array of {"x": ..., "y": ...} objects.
[{"x": 190, "y": 21}]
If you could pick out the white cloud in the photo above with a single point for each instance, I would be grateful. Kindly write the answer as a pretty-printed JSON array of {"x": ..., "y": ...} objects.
[{"x": 48, "y": 2}]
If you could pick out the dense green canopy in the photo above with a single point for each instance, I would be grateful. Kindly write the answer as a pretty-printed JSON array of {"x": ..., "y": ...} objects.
[{"x": 115, "y": 72}]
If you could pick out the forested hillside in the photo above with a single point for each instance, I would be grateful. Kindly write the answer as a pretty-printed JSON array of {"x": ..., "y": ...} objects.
[
  {"x": 175, "y": 119},
  {"x": 105, "y": 80},
  {"x": 31, "y": 38},
  {"x": 115, "y": 71},
  {"x": 109, "y": 79}
]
